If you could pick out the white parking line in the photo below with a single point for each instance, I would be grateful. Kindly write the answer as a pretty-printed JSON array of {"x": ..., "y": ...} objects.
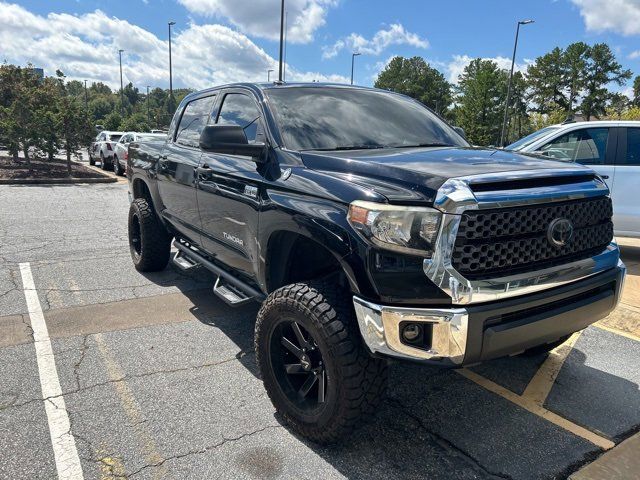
[{"x": 64, "y": 445}]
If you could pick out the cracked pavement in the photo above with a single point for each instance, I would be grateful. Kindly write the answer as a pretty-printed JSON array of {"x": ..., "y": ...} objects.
[{"x": 159, "y": 377}]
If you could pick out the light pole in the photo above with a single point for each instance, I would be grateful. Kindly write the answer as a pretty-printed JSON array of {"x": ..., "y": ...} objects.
[
  {"x": 269, "y": 74},
  {"x": 353, "y": 57},
  {"x": 513, "y": 61},
  {"x": 86, "y": 98},
  {"x": 121, "y": 85},
  {"x": 281, "y": 39},
  {"x": 148, "y": 110},
  {"x": 170, "y": 72}
]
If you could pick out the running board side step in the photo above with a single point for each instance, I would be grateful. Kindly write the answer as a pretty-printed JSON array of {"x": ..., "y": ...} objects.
[
  {"x": 230, "y": 294},
  {"x": 228, "y": 287},
  {"x": 183, "y": 262}
]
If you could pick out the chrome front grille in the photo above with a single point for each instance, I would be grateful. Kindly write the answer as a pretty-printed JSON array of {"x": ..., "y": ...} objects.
[
  {"x": 494, "y": 228},
  {"x": 493, "y": 243}
]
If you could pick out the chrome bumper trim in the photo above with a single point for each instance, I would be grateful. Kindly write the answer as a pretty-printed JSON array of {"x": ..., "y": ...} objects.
[
  {"x": 380, "y": 329},
  {"x": 456, "y": 195}
]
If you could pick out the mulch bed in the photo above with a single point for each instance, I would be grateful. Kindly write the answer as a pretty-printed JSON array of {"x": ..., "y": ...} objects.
[{"x": 43, "y": 169}]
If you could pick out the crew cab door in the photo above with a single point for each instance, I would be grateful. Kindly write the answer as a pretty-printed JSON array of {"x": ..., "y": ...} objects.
[
  {"x": 230, "y": 187},
  {"x": 627, "y": 180},
  {"x": 177, "y": 168}
]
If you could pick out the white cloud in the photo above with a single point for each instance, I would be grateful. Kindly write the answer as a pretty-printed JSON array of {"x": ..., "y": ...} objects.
[
  {"x": 457, "y": 65},
  {"x": 620, "y": 16},
  {"x": 86, "y": 47},
  {"x": 634, "y": 55},
  {"x": 261, "y": 18},
  {"x": 394, "y": 35}
]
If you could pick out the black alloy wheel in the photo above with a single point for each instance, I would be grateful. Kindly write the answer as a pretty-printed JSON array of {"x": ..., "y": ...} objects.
[{"x": 298, "y": 365}]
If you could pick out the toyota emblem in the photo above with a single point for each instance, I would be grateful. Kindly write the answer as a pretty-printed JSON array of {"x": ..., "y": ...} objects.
[{"x": 560, "y": 232}]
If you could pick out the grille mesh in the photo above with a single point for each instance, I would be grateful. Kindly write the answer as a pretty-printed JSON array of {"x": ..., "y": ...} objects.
[{"x": 507, "y": 241}]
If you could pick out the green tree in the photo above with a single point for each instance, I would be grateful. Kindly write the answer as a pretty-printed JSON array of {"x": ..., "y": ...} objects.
[
  {"x": 601, "y": 69},
  {"x": 416, "y": 78},
  {"x": 482, "y": 89},
  {"x": 546, "y": 80},
  {"x": 617, "y": 105},
  {"x": 636, "y": 91},
  {"x": 135, "y": 123},
  {"x": 74, "y": 126},
  {"x": 518, "y": 125},
  {"x": 574, "y": 61},
  {"x": 112, "y": 121}
]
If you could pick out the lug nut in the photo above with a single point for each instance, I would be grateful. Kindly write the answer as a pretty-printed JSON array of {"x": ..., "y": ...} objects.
[{"x": 411, "y": 332}]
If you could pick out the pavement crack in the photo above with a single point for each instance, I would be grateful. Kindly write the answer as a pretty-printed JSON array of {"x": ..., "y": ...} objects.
[
  {"x": 127, "y": 378},
  {"x": 446, "y": 444},
  {"x": 204, "y": 449},
  {"x": 76, "y": 367}
]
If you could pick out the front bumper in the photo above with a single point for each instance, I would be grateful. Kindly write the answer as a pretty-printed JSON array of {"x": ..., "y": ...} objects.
[{"x": 464, "y": 336}]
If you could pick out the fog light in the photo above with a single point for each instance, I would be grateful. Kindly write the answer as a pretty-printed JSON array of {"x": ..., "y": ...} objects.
[{"x": 411, "y": 332}]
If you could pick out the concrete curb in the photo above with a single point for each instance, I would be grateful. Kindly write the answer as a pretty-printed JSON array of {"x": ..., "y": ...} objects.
[{"x": 56, "y": 181}]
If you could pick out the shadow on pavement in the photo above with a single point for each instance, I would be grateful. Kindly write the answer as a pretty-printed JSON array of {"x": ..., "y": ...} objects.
[{"x": 436, "y": 424}]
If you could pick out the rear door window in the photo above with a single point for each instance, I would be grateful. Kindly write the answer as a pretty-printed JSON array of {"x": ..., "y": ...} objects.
[
  {"x": 197, "y": 114},
  {"x": 587, "y": 146},
  {"x": 633, "y": 148}
]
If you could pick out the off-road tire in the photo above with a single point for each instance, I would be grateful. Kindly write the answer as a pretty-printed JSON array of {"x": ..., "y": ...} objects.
[
  {"x": 547, "y": 347},
  {"x": 149, "y": 242},
  {"x": 117, "y": 169},
  {"x": 356, "y": 381}
]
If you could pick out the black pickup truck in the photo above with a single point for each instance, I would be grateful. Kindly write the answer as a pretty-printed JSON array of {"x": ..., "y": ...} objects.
[{"x": 369, "y": 229}]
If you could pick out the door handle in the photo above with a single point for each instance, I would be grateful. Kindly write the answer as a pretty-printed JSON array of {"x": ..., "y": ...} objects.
[
  {"x": 203, "y": 169},
  {"x": 605, "y": 177}
]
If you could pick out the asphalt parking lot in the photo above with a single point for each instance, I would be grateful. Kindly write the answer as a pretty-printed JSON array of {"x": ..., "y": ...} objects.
[{"x": 158, "y": 377}]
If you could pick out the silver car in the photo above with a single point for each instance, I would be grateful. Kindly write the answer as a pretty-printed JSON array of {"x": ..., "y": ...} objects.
[
  {"x": 121, "y": 151},
  {"x": 611, "y": 148}
]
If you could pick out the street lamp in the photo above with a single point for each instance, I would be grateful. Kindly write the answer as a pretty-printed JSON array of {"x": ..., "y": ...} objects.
[
  {"x": 86, "y": 98},
  {"x": 170, "y": 72},
  {"x": 269, "y": 74},
  {"x": 513, "y": 61},
  {"x": 148, "y": 111},
  {"x": 353, "y": 57},
  {"x": 281, "y": 40},
  {"x": 121, "y": 85}
]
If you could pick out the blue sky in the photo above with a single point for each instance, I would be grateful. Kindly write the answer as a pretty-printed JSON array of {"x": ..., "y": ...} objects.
[{"x": 230, "y": 40}]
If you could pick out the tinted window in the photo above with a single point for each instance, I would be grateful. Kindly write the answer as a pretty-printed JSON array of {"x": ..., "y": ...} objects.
[
  {"x": 587, "y": 145},
  {"x": 241, "y": 110},
  {"x": 529, "y": 139},
  {"x": 196, "y": 115},
  {"x": 114, "y": 138},
  {"x": 312, "y": 118},
  {"x": 633, "y": 147}
]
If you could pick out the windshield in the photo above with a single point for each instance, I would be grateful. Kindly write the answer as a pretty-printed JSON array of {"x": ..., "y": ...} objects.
[
  {"x": 114, "y": 138},
  {"x": 313, "y": 118},
  {"x": 529, "y": 139}
]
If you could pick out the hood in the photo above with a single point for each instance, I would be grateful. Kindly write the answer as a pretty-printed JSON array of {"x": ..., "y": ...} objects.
[{"x": 416, "y": 174}]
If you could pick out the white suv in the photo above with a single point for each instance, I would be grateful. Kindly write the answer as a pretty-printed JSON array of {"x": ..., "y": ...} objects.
[{"x": 611, "y": 148}]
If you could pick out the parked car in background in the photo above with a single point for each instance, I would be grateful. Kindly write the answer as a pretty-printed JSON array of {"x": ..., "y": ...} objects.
[
  {"x": 103, "y": 147},
  {"x": 611, "y": 148},
  {"x": 121, "y": 150}
]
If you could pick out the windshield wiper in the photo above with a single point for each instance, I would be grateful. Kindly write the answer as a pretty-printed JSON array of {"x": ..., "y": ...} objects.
[{"x": 418, "y": 145}]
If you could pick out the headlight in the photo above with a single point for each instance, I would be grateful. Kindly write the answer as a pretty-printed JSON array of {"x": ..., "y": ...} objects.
[{"x": 411, "y": 230}]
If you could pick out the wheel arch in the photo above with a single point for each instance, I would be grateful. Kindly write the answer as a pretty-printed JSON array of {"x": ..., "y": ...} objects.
[{"x": 294, "y": 257}]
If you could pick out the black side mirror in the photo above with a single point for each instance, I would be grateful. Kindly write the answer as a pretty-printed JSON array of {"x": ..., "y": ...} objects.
[
  {"x": 231, "y": 140},
  {"x": 460, "y": 131}
]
